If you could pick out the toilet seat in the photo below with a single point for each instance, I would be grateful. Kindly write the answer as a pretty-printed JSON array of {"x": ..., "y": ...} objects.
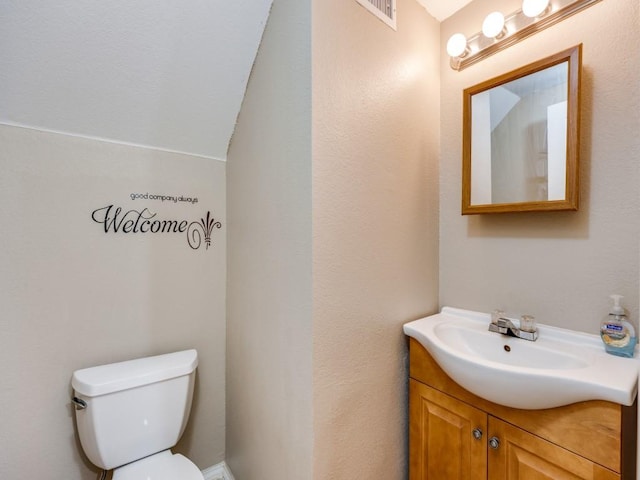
[{"x": 160, "y": 466}]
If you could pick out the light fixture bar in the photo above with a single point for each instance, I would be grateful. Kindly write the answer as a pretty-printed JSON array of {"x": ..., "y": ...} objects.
[{"x": 518, "y": 27}]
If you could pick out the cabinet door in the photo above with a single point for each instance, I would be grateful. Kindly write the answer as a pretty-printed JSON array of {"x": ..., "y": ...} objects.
[
  {"x": 519, "y": 455},
  {"x": 447, "y": 438}
]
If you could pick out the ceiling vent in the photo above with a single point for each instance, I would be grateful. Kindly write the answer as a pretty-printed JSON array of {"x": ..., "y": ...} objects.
[{"x": 385, "y": 10}]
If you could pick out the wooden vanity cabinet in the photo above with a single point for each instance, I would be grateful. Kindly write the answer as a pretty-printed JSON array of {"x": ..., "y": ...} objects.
[
  {"x": 455, "y": 435},
  {"x": 441, "y": 437},
  {"x": 524, "y": 456}
]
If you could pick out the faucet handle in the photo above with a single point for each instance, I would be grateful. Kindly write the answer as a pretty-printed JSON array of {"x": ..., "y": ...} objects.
[
  {"x": 497, "y": 315},
  {"x": 528, "y": 323}
]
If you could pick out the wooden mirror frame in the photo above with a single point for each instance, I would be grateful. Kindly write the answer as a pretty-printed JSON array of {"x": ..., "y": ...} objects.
[{"x": 574, "y": 58}]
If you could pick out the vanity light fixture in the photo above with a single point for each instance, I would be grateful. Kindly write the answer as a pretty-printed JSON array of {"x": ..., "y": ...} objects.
[
  {"x": 499, "y": 32},
  {"x": 493, "y": 26},
  {"x": 535, "y": 8},
  {"x": 457, "y": 46}
]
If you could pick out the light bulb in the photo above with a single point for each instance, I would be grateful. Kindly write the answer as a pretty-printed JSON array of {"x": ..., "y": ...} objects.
[
  {"x": 457, "y": 45},
  {"x": 534, "y": 8},
  {"x": 493, "y": 25}
]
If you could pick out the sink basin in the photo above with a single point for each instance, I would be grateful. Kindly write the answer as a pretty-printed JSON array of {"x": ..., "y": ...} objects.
[{"x": 560, "y": 368}]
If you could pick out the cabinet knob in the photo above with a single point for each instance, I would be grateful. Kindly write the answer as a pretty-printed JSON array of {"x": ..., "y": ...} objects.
[
  {"x": 494, "y": 442},
  {"x": 477, "y": 433}
]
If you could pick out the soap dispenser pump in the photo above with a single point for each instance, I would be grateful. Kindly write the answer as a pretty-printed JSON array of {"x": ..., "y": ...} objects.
[{"x": 617, "y": 332}]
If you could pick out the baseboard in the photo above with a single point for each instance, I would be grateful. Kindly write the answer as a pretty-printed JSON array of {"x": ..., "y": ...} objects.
[{"x": 218, "y": 472}]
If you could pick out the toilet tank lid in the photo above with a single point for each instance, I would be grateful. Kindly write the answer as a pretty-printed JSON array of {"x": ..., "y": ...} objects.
[{"x": 115, "y": 377}]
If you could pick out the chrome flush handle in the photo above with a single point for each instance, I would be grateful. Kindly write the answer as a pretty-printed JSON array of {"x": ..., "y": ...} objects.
[{"x": 79, "y": 403}]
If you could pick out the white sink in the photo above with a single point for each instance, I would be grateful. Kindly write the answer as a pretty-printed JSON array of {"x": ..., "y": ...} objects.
[{"x": 560, "y": 368}]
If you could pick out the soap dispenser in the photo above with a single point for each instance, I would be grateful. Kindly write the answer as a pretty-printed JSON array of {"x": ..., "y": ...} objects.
[{"x": 617, "y": 333}]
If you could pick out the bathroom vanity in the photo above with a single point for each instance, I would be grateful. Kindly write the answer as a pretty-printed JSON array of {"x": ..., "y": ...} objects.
[
  {"x": 457, "y": 435},
  {"x": 488, "y": 403}
]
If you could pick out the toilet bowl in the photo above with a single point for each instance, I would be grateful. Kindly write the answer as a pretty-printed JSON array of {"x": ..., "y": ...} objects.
[{"x": 130, "y": 414}]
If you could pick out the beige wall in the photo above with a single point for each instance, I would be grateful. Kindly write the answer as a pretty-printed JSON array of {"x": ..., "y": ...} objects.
[
  {"x": 269, "y": 414},
  {"x": 72, "y": 296},
  {"x": 375, "y": 224},
  {"x": 333, "y": 243},
  {"x": 560, "y": 267}
]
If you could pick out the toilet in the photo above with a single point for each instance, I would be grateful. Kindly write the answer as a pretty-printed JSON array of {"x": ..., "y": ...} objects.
[{"x": 130, "y": 414}]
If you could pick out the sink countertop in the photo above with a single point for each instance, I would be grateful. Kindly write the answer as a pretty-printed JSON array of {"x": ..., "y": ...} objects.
[{"x": 560, "y": 368}]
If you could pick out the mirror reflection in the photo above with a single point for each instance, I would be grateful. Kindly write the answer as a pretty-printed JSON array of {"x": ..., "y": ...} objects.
[
  {"x": 521, "y": 138},
  {"x": 519, "y": 144}
]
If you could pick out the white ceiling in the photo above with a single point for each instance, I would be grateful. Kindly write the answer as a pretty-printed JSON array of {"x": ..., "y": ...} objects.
[
  {"x": 443, "y": 9},
  {"x": 161, "y": 73}
]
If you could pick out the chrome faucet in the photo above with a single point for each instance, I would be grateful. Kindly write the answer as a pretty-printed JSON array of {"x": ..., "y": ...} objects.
[{"x": 506, "y": 327}]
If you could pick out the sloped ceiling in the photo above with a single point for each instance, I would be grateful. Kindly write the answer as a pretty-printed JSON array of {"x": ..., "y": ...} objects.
[
  {"x": 161, "y": 73},
  {"x": 443, "y": 9}
]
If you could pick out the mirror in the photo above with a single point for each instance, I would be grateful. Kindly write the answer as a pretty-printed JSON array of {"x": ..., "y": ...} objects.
[{"x": 521, "y": 138}]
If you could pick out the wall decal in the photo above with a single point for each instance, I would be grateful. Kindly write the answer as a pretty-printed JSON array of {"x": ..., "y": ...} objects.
[
  {"x": 194, "y": 237},
  {"x": 163, "y": 198},
  {"x": 117, "y": 220}
]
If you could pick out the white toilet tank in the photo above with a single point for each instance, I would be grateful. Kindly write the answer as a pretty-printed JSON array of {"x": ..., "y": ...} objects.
[{"x": 134, "y": 408}]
